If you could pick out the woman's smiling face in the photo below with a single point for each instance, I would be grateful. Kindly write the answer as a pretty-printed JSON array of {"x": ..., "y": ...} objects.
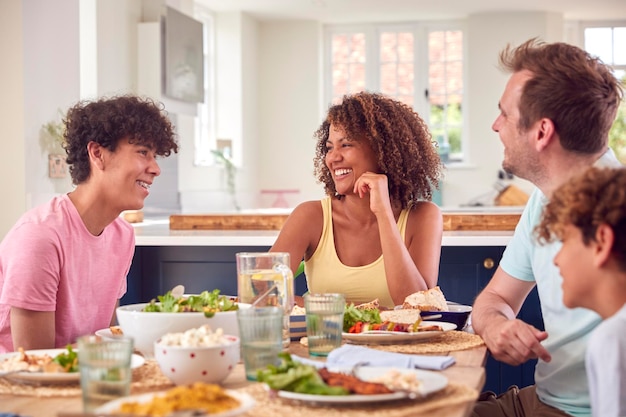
[{"x": 347, "y": 159}]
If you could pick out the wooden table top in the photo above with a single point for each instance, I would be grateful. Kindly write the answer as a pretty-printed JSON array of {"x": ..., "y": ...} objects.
[{"x": 468, "y": 370}]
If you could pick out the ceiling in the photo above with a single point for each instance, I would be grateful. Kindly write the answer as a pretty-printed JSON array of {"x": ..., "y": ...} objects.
[{"x": 350, "y": 11}]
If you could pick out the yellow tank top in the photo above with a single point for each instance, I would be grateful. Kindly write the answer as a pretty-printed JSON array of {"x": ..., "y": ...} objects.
[{"x": 360, "y": 284}]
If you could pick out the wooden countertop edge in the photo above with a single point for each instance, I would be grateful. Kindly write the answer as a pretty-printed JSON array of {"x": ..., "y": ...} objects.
[{"x": 451, "y": 221}]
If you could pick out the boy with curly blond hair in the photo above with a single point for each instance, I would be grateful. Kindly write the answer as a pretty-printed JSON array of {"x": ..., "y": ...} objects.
[{"x": 588, "y": 215}]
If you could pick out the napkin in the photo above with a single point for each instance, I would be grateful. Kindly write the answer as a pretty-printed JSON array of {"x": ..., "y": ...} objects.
[{"x": 350, "y": 355}]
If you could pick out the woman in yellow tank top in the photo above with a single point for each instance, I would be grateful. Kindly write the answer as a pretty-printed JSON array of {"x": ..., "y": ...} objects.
[{"x": 376, "y": 234}]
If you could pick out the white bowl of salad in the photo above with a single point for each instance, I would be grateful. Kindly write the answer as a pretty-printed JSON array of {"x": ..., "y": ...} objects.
[{"x": 175, "y": 312}]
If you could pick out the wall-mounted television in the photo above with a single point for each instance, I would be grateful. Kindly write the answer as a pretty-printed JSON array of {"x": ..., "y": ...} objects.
[{"x": 183, "y": 57}]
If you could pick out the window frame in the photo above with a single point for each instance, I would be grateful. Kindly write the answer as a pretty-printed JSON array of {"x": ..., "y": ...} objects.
[
  {"x": 205, "y": 137},
  {"x": 581, "y": 27},
  {"x": 420, "y": 30}
]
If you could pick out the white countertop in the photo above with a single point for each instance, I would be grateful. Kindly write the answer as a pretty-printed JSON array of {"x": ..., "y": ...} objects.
[{"x": 157, "y": 233}]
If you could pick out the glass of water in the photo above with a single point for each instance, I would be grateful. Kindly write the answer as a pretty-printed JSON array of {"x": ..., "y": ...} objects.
[
  {"x": 261, "y": 337},
  {"x": 324, "y": 322},
  {"x": 105, "y": 372}
]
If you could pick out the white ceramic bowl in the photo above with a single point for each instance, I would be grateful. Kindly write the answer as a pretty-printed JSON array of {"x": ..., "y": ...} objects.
[
  {"x": 146, "y": 328},
  {"x": 186, "y": 365}
]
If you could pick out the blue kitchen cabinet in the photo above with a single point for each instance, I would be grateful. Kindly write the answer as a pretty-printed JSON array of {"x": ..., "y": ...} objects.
[
  {"x": 157, "y": 269},
  {"x": 464, "y": 272}
]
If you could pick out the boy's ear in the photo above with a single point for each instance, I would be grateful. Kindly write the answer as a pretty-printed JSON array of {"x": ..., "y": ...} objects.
[
  {"x": 96, "y": 155},
  {"x": 605, "y": 238}
]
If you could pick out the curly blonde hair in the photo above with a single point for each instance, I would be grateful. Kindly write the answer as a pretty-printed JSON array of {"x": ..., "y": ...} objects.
[
  {"x": 598, "y": 196},
  {"x": 406, "y": 152}
]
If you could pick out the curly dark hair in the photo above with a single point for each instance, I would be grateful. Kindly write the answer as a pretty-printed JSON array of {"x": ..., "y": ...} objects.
[
  {"x": 108, "y": 120},
  {"x": 575, "y": 90},
  {"x": 598, "y": 196},
  {"x": 406, "y": 152}
]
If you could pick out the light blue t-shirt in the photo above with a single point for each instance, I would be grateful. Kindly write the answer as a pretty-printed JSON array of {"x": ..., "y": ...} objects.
[{"x": 562, "y": 382}]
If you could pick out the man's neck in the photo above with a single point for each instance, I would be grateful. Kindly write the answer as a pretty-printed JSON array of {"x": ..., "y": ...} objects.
[{"x": 559, "y": 170}]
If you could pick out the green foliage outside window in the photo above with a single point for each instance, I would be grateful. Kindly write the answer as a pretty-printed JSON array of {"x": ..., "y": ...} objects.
[
  {"x": 447, "y": 122},
  {"x": 617, "y": 135}
]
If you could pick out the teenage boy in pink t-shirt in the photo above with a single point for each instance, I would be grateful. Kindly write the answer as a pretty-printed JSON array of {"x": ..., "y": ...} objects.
[{"x": 63, "y": 265}]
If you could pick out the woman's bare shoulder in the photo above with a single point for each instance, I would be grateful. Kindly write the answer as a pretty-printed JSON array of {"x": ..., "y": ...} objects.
[
  {"x": 425, "y": 211},
  {"x": 425, "y": 206},
  {"x": 308, "y": 208},
  {"x": 306, "y": 214}
]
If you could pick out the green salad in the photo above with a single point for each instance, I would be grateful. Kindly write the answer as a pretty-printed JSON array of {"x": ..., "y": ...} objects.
[
  {"x": 67, "y": 360},
  {"x": 207, "y": 302},
  {"x": 352, "y": 315},
  {"x": 296, "y": 377}
]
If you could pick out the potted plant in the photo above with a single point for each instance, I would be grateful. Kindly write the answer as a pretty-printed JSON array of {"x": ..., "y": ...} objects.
[
  {"x": 51, "y": 141},
  {"x": 231, "y": 170}
]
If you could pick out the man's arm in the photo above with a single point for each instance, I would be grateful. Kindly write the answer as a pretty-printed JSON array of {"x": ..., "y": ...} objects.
[
  {"x": 32, "y": 329},
  {"x": 493, "y": 317}
]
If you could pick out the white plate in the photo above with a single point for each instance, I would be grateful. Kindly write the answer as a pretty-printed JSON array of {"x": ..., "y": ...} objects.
[
  {"x": 105, "y": 333},
  {"x": 245, "y": 400},
  {"x": 56, "y": 377},
  {"x": 431, "y": 382},
  {"x": 392, "y": 337}
]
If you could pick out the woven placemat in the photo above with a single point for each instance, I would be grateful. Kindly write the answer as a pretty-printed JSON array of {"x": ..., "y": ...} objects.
[
  {"x": 446, "y": 342},
  {"x": 271, "y": 406},
  {"x": 147, "y": 377},
  {"x": 449, "y": 341}
]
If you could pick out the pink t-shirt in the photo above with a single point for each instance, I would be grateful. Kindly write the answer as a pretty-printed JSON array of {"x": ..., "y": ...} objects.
[{"x": 50, "y": 262}]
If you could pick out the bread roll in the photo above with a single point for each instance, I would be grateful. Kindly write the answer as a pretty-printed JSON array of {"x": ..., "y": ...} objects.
[
  {"x": 408, "y": 316},
  {"x": 372, "y": 305},
  {"x": 429, "y": 300}
]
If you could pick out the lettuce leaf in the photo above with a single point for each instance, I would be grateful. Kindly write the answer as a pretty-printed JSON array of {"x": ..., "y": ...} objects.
[
  {"x": 351, "y": 315},
  {"x": 296, "y": 377}
]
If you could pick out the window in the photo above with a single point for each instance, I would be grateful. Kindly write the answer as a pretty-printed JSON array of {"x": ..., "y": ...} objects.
[
  {"x": 417, "y": 64},
  {"x": 608, "y": 42},
  {"x": 205, "y": 122}
]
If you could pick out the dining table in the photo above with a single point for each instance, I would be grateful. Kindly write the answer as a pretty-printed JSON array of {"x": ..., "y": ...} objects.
[{"x": 466, "y": 378}]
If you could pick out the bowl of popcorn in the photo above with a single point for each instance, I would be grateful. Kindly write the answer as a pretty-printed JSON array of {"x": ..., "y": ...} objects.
[{"x": 197, "y": 355}]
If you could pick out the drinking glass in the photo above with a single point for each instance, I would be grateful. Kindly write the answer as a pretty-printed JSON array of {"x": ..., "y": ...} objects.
[
  {"x": 261, "y": 337},
  {"x": 105, "y": 372},
  {"x": 264, "y": 279},
  {"x": 324, "y": 322}
]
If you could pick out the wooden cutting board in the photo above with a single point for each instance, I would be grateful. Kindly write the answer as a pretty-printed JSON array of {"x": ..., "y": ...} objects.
[{"x": 451, "y": 221}]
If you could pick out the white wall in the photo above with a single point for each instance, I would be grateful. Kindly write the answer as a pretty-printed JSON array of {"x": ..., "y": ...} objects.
[
  {"x": 12, "y": 168},
  {"x": 290, "y": 90},
  {"x": 51, "y": 82},
  {"x": 117, "y": 46}
]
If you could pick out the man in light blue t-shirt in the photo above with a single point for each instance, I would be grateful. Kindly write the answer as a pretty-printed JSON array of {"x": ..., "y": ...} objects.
[{"x": 555, "y": 115}]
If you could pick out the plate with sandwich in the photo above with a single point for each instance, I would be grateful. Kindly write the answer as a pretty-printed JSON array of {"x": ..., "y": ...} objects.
[
  {"x": 406, "y": 323},
  {"x": 425, "y": 331}
]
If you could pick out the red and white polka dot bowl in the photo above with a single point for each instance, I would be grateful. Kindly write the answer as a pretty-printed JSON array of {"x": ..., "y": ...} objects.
[{"x": 186, "y": 365}]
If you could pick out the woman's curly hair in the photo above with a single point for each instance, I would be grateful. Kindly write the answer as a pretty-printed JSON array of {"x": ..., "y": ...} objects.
[
  {"x": 406, "y": 152},
  {"x": 598, "y": 196},
  {"x": 105, "y": 121}
]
